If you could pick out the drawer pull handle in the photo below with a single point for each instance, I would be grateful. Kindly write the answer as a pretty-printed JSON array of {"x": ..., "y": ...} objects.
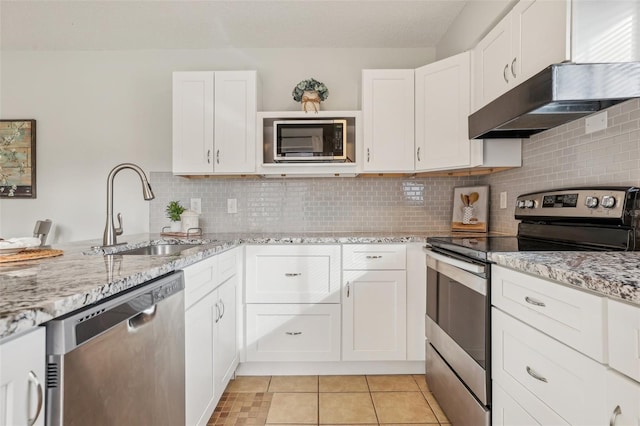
[
  {"x": 293, "y": 274},
  {"x": 293, "y": 333},
  {"x": 616, "y": 412},
  {"x": 374, "y": 257},
  {"x": 536, "y": 375},
  {"x": 34, "y": 379},
  {"x": 534, "y": 302},
  {"x": 504, "y": 73}
]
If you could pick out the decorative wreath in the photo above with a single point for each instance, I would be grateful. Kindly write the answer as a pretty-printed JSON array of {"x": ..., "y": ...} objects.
[{"x": 310, "y": 85}]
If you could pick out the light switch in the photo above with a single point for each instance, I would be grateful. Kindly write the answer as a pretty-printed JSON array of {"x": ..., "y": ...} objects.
[
  {"x": 595, "y": 122},
  {"x": 196, "y": 205},
  {"x": 232, "y": 205},
  {"x": 503, "y": 200}
]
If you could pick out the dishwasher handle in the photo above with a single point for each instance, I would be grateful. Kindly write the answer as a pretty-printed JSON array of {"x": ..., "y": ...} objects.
[
  {"x": 142, "y": 318},
  {"x": 467, "y": 266}
]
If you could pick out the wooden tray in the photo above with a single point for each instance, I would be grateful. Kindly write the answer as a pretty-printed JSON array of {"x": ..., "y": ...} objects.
[{"x": 30, "y": 255}]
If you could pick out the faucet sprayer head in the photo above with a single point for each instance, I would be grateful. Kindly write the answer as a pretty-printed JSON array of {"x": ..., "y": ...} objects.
[{"x": 147, "y": 192}]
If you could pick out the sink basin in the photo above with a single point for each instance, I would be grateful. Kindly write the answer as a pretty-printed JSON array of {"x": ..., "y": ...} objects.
[{"x": 159, "y": 250}]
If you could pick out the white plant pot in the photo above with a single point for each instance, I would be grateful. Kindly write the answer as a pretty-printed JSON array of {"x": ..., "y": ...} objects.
[{"x": 176, "y": 226}]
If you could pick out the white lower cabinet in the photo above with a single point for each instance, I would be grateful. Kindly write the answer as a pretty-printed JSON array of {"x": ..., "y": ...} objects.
[
  {"x": 374, "y": 316},
  {"x": 22, "y": 377},
  {"x": 374, "y": 302},
  {"x": 527, "y": 362},
  {"x": 293, "y": 332},
  {"x": 211, "y": 351},
  {"x": 506, "y": 411},
  {"x": 623, "y": 400}
]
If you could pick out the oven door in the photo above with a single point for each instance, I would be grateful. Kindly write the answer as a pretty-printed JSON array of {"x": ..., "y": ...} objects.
[{"x": 457, "y": 322}]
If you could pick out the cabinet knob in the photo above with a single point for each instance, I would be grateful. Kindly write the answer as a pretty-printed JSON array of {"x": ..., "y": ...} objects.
[
  {"x": 208, "y": 156},
  {"x": 348, "y": 289},
  {"x": 218, "y": 157},
  {"x": 504, "y": 73}
]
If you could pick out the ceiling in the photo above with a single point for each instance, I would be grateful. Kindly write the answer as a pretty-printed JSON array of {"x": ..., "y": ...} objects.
[{"x": 187, "y": 24}]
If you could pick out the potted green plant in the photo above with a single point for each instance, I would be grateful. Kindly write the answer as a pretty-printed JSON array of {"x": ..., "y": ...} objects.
[
  {"x": 174, "y": 210},
  {"x": 310, "y": 93}
]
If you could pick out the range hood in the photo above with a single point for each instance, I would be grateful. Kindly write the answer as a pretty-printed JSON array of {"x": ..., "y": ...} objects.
[{"x": 559, "y": 94}]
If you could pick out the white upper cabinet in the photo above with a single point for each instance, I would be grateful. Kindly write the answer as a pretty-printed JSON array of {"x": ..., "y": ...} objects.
[
  {"x": 214, "y": 119},
  {"x": 388, "y": 120},
  {"x": 442, "y": 97},
  {"x": 534, "y": 35}
]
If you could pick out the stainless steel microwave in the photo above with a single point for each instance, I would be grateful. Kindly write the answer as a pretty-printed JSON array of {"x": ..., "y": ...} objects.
[{"x": 310, "y": 140}]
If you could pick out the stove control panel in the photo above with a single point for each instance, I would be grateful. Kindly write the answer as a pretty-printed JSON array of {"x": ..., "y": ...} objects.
[{"x": 580, "y": 203}]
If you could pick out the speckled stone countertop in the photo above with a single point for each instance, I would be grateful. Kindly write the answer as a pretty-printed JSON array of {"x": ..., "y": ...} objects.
[
  {"x": 33, "y": 292},
  {"x": 612, "y": 274}
]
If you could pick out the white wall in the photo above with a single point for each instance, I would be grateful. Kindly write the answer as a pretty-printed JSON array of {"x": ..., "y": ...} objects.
[
  {"x": 474, "y": 22},
  {"x": 95, "y": 109}
]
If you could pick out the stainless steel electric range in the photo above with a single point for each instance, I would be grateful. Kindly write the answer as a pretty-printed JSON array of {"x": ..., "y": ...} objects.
[{"x": 458, "y": 323}]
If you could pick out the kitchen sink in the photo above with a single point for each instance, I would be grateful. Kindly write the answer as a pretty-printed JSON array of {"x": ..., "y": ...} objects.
[{"x": 159, "y": 249}]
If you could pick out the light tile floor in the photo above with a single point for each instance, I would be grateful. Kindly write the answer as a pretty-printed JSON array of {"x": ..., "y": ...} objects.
[{"x": 328, "y": 400}]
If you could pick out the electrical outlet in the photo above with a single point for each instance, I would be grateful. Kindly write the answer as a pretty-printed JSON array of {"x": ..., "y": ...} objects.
[
  {"x": 232, "y": 205},
  {"x": 503, "y": 200},
  {"x": 196, "y": 205},
  {"x": 595, "y": 122}
]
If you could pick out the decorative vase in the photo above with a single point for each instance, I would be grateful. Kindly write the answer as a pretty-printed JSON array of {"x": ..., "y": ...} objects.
[
  {"x": 310, "y": 101},
  {"x": 467, "y": 214},
  {"x": 176, "y": 226}
]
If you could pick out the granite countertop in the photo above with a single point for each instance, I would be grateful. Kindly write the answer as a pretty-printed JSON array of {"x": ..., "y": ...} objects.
[
  {"x": 33, "y": 292},
  {"x": 612, "y": 274}
]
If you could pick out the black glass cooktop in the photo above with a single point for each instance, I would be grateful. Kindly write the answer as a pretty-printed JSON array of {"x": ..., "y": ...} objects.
[{"x": 478, "y": 247}]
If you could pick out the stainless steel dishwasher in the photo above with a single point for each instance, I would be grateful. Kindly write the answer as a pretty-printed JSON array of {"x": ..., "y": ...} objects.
[{"x": 120, "y": 362}]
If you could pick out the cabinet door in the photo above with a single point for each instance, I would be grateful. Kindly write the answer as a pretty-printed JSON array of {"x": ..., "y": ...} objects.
[
  {"x": 624, "y": 338},
  {"x": 193, "y": 104},
  {"x": 226, "y": 358},
  {"x": 388, "y": 117},
  {"x": 235, "y": 121},
  {"x": 442, "y": 110},
  {"x": 623, "y": 400},
  {"x": 199, "y": 348},
  {"x": 22, "y": 379},
  {"x": 540, "y": 36},
  {"x": 491, "y": 58},
  {"x": 374, "y": 315}
]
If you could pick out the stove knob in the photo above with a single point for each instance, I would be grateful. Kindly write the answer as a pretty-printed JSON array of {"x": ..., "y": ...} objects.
[
  {"x": 608, "y": 201},
  {"x": 529, "y": 204},
  {"x": 591, "y": 202},
  {"x": 521, "y": 204}
]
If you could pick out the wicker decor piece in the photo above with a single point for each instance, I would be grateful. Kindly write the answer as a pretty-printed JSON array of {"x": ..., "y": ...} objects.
[{"x": 30, "y": 255}]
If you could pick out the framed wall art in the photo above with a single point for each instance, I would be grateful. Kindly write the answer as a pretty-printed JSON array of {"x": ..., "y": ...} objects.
[
  {"x": 470, "y": 209},
  {"x": 17, "y": 158}
]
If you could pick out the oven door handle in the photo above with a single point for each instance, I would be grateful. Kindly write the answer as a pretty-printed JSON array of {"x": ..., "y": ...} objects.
[{"x": 470, "y": 267}]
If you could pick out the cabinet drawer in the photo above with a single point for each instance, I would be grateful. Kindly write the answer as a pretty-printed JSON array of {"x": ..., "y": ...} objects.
[
  {"x": 624, "y": 338},
  {"x": 199, "y": 279},
  {"x": 572, "y": 316},
  {"x": 527, "y": 361},
  {"x": 293, "y": 332},
  {"x": 227, "y": 264},
  {"x": 293, "y": 274},
  {"x": 507, "y": 412},
  {"x": 374, "y": 256}
]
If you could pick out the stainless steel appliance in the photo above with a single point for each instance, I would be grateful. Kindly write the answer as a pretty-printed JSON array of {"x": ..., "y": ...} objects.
[
  {"x": 310, "y": 140},
  {"x": 458, "y": 323},
  {"x": 559, "y": 94},
  {"x": 121, "y": 361}
]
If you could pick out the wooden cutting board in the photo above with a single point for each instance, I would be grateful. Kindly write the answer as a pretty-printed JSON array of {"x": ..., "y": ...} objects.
[{"x": 30, "y": 255}]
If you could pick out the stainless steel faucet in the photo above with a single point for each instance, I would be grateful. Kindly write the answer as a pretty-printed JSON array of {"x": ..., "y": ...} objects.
[{"x": 110, "y": 231}]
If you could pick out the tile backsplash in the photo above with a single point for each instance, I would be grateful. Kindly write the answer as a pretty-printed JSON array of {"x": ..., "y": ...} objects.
[
  {"x": 565, "y": 157},
  {"x": 561, "y": 157},
  {"x": 366, "y": 204}
]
